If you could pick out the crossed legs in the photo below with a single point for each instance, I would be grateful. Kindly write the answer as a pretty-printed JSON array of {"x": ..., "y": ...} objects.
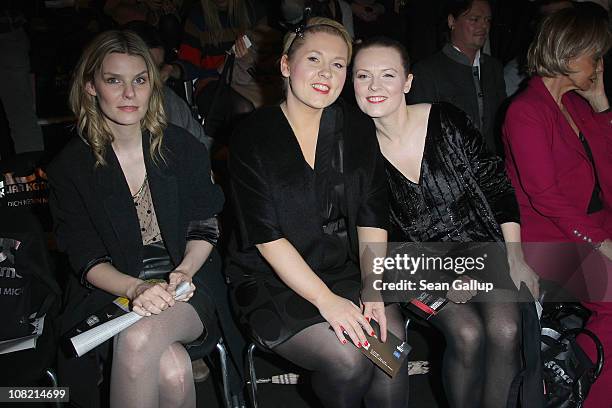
[{"x": 151, "y": 368}]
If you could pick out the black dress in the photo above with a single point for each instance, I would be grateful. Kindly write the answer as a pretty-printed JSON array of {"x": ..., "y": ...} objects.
[
  {"x": 316, "y": 210},
  {"x": 463, "y": 194}
]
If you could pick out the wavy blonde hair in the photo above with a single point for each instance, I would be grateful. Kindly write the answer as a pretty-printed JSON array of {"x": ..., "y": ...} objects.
[{"x": 91, "y": 124}]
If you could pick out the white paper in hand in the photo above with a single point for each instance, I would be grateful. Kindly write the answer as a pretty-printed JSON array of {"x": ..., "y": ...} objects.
[{"x": 92, "y": 338}]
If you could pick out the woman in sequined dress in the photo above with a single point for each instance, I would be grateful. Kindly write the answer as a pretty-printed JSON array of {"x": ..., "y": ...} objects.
[{"x": 445, "y": 187}]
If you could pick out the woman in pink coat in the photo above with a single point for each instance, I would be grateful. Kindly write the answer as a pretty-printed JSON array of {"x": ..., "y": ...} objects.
[{"x": 558, "y": 143}]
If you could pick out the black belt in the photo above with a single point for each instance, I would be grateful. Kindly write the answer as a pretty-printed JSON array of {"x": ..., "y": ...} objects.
[{"x": 156, "y": 263}]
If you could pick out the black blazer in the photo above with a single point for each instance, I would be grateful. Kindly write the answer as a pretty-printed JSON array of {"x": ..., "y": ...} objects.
[{"x": 95, "y": 217}]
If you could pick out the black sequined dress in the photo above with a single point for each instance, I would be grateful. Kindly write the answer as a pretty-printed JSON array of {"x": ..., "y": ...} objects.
[{"x": 463, "y": 194}]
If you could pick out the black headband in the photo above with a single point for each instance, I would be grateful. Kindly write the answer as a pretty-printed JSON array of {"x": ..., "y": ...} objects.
[{"x": 301, "y": 28}]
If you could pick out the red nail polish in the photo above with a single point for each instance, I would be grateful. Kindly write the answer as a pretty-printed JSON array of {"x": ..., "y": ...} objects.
[
  {"x": 366, "y": 344},
  {"x": 343, "y": 341},
  {"x": 368, "y": 319},
  {"x": 358, "y": 345}
]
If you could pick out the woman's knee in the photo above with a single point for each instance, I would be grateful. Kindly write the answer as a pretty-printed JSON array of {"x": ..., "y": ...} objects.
[
  {"x": 175, "y": 372},
  {"x": 504, "y": 334},
  {"x": 468, "y": 339},
  {"x": 135, "y": 339},
  {"x": 129, "y": 351},
  {"x": 350, "y": 366}
]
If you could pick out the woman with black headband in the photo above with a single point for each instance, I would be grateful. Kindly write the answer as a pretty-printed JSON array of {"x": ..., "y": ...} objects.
[{"x": 309, "y": 190}]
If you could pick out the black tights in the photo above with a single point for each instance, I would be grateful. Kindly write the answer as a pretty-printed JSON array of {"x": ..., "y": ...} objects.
[
  {"x": 482, "y": 352},
  {"x": 343, "y": 377}
]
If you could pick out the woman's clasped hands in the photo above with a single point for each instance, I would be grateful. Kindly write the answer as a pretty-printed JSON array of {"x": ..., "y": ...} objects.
[{"x": 149, "y": 298}]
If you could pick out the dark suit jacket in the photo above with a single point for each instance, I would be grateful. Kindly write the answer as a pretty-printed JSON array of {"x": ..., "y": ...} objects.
[
  {"x": 441, "y": 78},
  {"x": 95, "y": 216}
]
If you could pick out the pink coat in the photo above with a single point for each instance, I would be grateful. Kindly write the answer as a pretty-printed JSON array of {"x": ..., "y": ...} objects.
[
  {"x": 550, "y": 170},
  {"x": 554, "y": 180}
]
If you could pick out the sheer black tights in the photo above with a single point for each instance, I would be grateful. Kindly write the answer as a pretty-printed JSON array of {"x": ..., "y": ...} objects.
[
  {"x": 151, "y": 368},
  {"x": 342, "y": 377},
  {"x": 482, "y": 352}
]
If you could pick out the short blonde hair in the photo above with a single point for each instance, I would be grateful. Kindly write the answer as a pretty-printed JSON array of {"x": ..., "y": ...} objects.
[
  {"x": 565, "y": 35},
  {"x": 293, "y": 41},
  {"x": 91, "y": 124}
]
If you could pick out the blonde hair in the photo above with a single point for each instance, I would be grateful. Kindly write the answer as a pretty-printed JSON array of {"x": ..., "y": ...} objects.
[
  {"x": 91, "y": 124},
  {"x": 293, "y": 41},
  {"x": 238, "y": 15},
  {"x": 563, "y": 36}
]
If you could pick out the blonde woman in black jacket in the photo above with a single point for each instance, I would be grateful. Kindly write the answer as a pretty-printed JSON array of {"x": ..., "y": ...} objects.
[{"x": 132, "y": 199}]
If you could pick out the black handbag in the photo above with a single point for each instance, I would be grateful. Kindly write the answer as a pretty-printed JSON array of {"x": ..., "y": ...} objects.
[
  {"x": 526, "y": 390},
  {"x": 215, "y": 100},
  {"x": 27, "y": 287},
  {"x": 568, "y": 372}
]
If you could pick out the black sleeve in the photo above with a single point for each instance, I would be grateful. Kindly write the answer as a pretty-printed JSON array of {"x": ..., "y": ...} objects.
[
  {"x": 252, "y": 198},
  {"x": 206, "y": 197},
  {"x": 204, "y": 230},
  {"x": 74, "y": 230},
  {"x": 488, "y": 169}
]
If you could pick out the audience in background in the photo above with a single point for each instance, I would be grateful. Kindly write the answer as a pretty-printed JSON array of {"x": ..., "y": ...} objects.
[
  {"x": 163, "y": 14},
  {"x": 337, "y": 10},
  {"x": 16, "y": 84},
  {"x": 177, "y": 110},
  {"x": 212, "y": 29},
  {"x": 515, "y": 71},
  {"x": 461, "y": 73}
]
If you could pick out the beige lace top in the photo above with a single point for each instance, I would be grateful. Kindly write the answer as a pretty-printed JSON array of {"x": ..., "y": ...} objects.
[{"x": 149, "y": 229}]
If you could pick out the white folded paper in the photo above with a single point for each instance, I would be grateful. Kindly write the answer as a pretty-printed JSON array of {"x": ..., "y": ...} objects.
[{"x": 92, "y": 338}]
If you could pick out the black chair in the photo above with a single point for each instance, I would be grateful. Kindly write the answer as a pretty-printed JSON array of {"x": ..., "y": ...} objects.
[{"x": 214, "y": 341}]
